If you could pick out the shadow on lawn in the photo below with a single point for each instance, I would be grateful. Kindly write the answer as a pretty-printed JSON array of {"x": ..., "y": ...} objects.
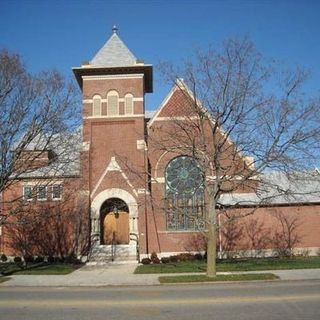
[{"x": 8, "y": 269}]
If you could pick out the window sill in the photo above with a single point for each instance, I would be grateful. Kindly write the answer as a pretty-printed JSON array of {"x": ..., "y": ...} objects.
[{"x": 180, "y": 231}]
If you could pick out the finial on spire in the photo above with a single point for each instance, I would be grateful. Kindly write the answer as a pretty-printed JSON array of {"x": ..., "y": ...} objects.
[{"x": 115, "y": 29}]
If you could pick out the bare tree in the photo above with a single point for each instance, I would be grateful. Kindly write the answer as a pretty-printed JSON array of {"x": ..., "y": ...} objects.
[
  {"x": 51, "y": 229},
  {"x": 38, "y": 114},
  {"x": 237, "y": 124},
  {"x": 287, "y": 235}
]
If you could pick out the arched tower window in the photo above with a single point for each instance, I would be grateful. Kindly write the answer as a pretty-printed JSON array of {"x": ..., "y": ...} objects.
[
  {"x": 96, "y": 106},
  {"x": 184, "y": 194},
  {"x": 113, "y": 103},
  {"x": 128, "y": 103}
]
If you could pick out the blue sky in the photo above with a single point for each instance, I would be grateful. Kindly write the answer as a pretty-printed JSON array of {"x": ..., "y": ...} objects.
[{"x": 62, "y": 34}]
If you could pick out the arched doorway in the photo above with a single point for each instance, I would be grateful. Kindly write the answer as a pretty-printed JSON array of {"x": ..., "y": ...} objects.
[{"x": 114, "y": 222}]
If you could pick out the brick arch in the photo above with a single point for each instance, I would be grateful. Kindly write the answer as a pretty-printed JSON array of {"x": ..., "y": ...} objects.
[
  {"x": 114, "y": 193},
  {"x": 162, "y": 163}
]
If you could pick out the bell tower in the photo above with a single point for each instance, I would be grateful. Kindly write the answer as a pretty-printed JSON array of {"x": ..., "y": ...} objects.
[{"x": 113, "y": 158}]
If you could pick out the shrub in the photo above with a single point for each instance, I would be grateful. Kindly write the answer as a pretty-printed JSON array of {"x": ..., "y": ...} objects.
[
  {"x": 185, "y": 257},
  {"x": 173, "y": 259},
  {"x": 17, "y": 260},
  {"x": 146, "y": 261},
  {"x": 198, "y": 256},
  {"x": 39, "y": 259},
  {"x": 156, "y": 260},
  {"x": 72, "y": 258},
  {"x": 28, "y": 259},
  {"x": 165, "y": 260},
  {"x": 3, "y": 258},
  {"x": 59, "y": 259},
  {"x": 51, "y": 259}
]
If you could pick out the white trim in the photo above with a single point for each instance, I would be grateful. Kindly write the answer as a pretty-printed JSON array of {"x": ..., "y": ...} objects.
[
  {"x": 116, "y": 116},
  {"x": 37, "y": 182},
  {"x": 143, "y": 191},
  {"x": 135, "y": 99},
  {"x": 163, "y": 103},
  {"x": 158, "y": 180},
  {"x": 85, "y": 146},
  {"x": 141, "y": 145},
  {"x": 113, "y": 166},
  {"x": 176, "y": 118},
  {"x": 114, "y": 76},
  {"x": 157, "y": 164},
  {"x": 104, "y": 195},
  {"x": 138, "y": 99}
]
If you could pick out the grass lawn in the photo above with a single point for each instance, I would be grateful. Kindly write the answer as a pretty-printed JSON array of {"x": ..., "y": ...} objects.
[
  {"x": 229, "y": 277},
  {"x": 39, "y": 269},
  {"x": 3, "y": 279},
  {"x": 234, "y": 265}
]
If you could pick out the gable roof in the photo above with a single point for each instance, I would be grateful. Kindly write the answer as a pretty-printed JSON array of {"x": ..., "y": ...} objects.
[
  {"x": 176, "y": 104},
  {"x": 113, "y": 54}
]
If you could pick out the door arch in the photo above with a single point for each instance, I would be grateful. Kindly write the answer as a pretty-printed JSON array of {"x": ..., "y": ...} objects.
[
  {"x": 95, "y": 216},
  {"x": 114, "y": 222}
]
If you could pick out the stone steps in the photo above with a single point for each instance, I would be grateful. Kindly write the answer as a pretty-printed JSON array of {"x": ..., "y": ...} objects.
[{"x": 106, "y": 254}]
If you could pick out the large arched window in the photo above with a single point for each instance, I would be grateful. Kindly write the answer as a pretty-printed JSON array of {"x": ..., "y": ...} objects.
[
  {"x": 128, "y": 103},
  {"x": 113, "y": 103},
  {"x": 184, "y": 194},
  {"x": 96, "y": 106}
]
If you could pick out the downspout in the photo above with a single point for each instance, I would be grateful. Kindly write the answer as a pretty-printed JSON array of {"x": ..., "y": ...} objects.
[{"x": 145, "y": 196}]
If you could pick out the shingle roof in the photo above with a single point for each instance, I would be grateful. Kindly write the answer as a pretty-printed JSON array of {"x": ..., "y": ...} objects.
[
  {"x": 113, "y": 54},
  {"x": 66, "y": 148},
  {"x": 278, "y": 188}
]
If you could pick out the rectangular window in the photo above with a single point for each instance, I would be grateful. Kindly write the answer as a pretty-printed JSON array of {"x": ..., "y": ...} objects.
[
  {"x": 27, "y": 193},
  {"x": 56, "y": 192},
  {"x": 42, "y": 193}
]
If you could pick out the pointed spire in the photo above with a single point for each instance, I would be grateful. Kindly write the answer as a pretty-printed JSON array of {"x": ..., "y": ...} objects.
[{"x": 114, "y": 53}]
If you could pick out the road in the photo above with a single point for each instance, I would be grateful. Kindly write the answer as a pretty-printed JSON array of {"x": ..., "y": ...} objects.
[{"x": 259, "y": 300}]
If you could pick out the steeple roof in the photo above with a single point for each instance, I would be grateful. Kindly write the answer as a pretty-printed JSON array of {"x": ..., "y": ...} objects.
[
  {"x": 114, "y": 58},
  {"x": 114, "y": 53}
]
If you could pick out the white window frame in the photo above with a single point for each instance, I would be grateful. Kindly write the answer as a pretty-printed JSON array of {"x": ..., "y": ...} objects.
[
  {"x": 38, "y": 193},
  {"x": 24, "y": 193},
  {"x": 52, "y": 193}
]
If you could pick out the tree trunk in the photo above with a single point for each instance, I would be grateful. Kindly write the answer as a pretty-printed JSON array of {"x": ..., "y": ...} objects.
[
  {"x": 211, "y": 251},
  {"x": 211, "y": 238}
]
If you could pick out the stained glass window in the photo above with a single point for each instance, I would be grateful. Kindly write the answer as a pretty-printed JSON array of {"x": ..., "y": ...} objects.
[{"x": 184, "y": 194}]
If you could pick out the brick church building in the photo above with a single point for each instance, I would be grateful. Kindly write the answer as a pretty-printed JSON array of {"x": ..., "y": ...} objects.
[{"x": 139, "y": 193}]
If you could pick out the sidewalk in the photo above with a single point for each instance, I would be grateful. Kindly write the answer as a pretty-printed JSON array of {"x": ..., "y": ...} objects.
[{"x": 122, "y": 274}]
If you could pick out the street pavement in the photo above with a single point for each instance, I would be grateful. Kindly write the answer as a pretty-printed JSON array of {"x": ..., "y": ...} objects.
[
  {"x": 276, "y": 300},
  {"x": 116, "y": 274}
]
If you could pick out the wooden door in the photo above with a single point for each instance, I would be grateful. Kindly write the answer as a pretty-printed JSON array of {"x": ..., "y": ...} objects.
[{"x": 116, "y": 228}]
